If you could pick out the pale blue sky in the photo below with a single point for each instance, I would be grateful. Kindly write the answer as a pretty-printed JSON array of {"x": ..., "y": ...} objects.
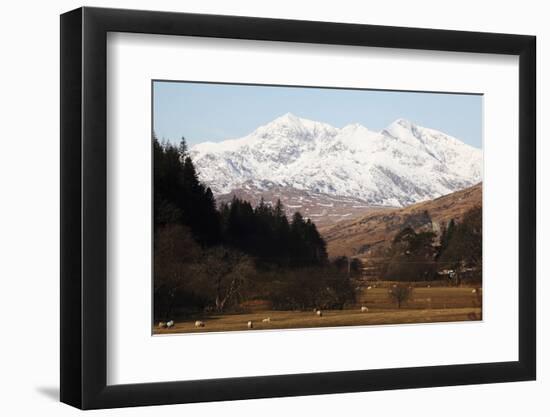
[{"x": 214, "y": 112}]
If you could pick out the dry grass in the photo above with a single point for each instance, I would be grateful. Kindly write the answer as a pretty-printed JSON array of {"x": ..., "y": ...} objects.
[
  {"x": 423, "y": 298},
  {"x": 427, "y": 305}
]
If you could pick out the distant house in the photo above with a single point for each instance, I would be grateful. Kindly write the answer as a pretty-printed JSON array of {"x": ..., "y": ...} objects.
[{"x": 456, "y": 276}]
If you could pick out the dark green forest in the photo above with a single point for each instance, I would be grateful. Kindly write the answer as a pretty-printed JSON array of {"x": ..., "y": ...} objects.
[{"x": 209, "y": 258}]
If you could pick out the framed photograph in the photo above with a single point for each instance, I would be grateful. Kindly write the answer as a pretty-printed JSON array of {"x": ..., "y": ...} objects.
[{"x": 257, "y": 208}]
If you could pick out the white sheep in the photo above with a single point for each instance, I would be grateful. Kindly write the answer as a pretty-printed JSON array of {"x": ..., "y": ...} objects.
[
  {"x": 250, "y": 325},
  {"x": 162, "y": 324},
  {"x": 266, "y": 320},
  {"x": 369, "y": 287},
  {"x": 474, "y": 291},
  {"x": 319, "y": 313},
  {"x": 199, "y": 323},
  {"x": 364, "y": 309},
  {"x": 170, "y": 324}
]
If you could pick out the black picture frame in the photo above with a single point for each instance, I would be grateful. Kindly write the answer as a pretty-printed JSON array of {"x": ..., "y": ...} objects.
[{"x": 84, "y": 207}]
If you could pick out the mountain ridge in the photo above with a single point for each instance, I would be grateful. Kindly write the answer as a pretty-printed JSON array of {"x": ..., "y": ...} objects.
[{"x": 397, "y": 166}]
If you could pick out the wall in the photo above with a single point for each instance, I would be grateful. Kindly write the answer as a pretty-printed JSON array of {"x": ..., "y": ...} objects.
[{"x": 29, "y": 225}]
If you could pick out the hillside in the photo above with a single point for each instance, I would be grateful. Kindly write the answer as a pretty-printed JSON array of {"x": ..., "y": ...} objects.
[
  {"x": 323, "y": 209},
  {"x": 364, "y": 235}
]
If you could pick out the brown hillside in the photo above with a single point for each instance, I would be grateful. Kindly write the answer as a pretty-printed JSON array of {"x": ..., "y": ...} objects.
[{"x": 363, "y": 235}]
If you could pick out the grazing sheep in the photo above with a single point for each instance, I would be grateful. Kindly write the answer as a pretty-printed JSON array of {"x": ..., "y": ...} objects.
[
  {"x": 199, "y": 323},
  {"x": 250, "y": 325},
  {"x": 162, "y": 324},
  {"x": 266, "y": 320},
  {"x": 369, "y": 287},
  {"x": 170, "y": 324},
  {"x": 474, "y": 291},
  {"x": 319, "y": 313},
  {"x": 364, "y": 309}
]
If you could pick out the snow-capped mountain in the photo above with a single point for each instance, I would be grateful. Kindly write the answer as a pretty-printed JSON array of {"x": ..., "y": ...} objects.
[{"x": 400, "y": 165}]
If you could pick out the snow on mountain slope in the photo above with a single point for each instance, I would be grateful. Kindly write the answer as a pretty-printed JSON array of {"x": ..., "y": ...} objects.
[{"x": 400, "y": 165}]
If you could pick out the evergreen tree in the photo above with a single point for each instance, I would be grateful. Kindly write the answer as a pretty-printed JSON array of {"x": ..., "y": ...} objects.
[
  {"x": 447, "y": 235},
  {"x": 182, "y": 149},
  {"x": 179, "y": 197},
  {"x": 464, "y": 245},
  {"x": 411, "y": 257}
]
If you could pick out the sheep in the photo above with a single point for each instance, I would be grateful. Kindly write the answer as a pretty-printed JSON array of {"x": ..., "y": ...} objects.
[
  {"x": 162, "y": 324},
  {"x": 199, "y": 323},
  {"x": 474, "y": 291},
  {"x": 369, "y": 287},
  {"x": 250, "y": 325},
  {"x": 170, "y": 324},
  {"x": 319, "y": 313},
  {"x": 364, "y": 309},
  {"x": 266, "y": 320}
]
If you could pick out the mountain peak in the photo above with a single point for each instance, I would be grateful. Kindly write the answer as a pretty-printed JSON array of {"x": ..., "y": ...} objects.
[
  {"x": 292, "y": 126},
  {"x": 289, "y": 116},
  {"x": 400, "y": 165},
  {"x": 403, "y": 123},
  {"x": 403, "y": 129},
  {"x": 287, "y": 119}
]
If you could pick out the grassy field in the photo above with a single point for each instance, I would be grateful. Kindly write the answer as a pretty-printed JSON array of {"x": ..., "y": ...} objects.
[{"x": 427, "y": 305}]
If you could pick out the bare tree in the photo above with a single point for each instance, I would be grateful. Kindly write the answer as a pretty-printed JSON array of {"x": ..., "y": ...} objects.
[
  {"x": 400, "y": 293},
  {"x": 174, "y": 251},
  {"x": 225, "y": 274}
]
